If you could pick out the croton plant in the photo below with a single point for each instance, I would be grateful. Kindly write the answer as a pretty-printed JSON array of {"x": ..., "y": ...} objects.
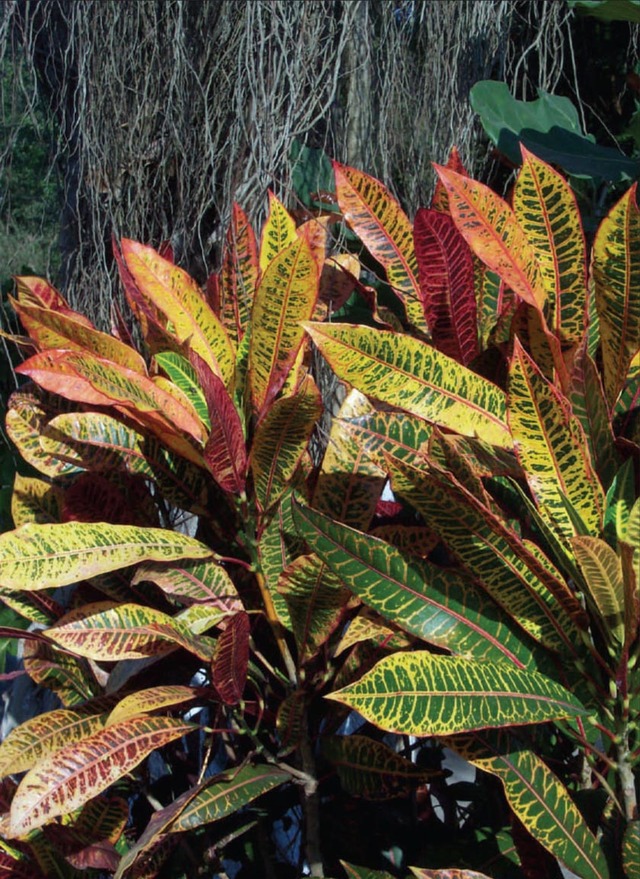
[{"x": 282, "y": 617}]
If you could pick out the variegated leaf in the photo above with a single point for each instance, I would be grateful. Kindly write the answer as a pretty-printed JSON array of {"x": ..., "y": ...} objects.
[
  {"x": 446, "y": 276},
  {"x": 615, "y": 270},
  {"x": 27, "y": 414},
  {"x": 150, "y": 699},
  {"x": 602, "y": 573},
  {"x": 199, "y": 582},
  {"x": 414, "y": 376},
  {"x": 239, "y": 274},
  {"x": 436, "y": 604},
  {"x": 69, "y": 677},
  {"x": 280, "y": 441},
  {"x": 420, "y": 693},
  {"x": 493, "y": 233},
  {"x": 231, "y": 659},
  {"x": 631, "y": 850},
  {"x": 546, "y": 209},
  {"x": 34, "y": 500},
  {"x": 178, "y": 297},
  {"x": 37, "y": 738},
  {"x": 315, "y": 598},
  {"x": 286, "y": 295},
  {"x": 383, "y": 227},
  {"x": 48, "y": 556},
  {"x": 370, "y": 769},
  {"x": 278, "y": 232},
  {"x": 183, "y": 375},
  {"x": 66, "y": 780},
  {"x": 551, "y": 447},
  {"x": 539, "y": 799}
]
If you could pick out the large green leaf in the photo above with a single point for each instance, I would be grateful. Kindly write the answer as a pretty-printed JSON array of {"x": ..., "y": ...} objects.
[
  {"x": 414, "y": 376},
  {"x": 539, "y": 799},
  {"x": 436, "y": 604},
  {"x": 184, "y": 376},
  {"x": 631, "y": 850},
  {"x": 423, "y": 694},
  {"x": 551, "y": 447},
  {"x": 47, "y": 556},
  {"x": 602, "y": 573}
]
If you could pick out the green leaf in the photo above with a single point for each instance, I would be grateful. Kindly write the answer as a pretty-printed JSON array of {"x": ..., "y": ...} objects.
[
  {"x": 422, "y": 694},
  {"x": 551, "y": 447},
  {"x": 631, "y": 850},
  {"x": 438, "y": 605},
  {"x": 602, "y": 573},
  {"x": 539, "y": 799},
  {"x": 620, "y": 499},
  {"x": 412, "y": 375},
  {"x": 367, "y": 768},
  {"x": 183, "y": 375},
  {"x": 48, "y": 556}
]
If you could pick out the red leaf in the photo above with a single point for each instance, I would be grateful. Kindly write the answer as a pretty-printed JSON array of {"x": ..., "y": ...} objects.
[
  {"x": 445, "y": 266},
  {"x": 440, "y": 200},
  {"x": 231, "y": 659},
  {"x": 225, "y": 452}
]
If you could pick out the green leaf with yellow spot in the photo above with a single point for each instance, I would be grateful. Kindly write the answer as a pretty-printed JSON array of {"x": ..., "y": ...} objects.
[
  {"x": 278, "y": 232},
  {"x": 34, "y": 500},
  {"x": 615, "y": 270},
  {"x": 280, "y": 441},
  {"x": 631, "y": 850},
  {"x": 552, "y": 448},
  {"x": 286, "y": 295},
  {"x": 383, "y": 227},
  {"x": 438, "y": 605},
  {"x": 546, "y": 210},
  {"x": 27, "y": 416},
  {"x": 150, "y": 699},
  {"x": 412, "y": 375},
  {"x": 47, "y": 556},
  {"x": 539, "y": 799},
  {"x": 183, "y": 375},
  {"x": 602, "y": 574},
  {"x": 66, "y": 780},
  {"x": 423, "y": 694}
]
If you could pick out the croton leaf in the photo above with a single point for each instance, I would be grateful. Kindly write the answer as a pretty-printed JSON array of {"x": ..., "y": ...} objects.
[
  {"x": 446, "y": 284},
  {"x": 414, "y": 376},
  {"x": 546, "y": 209},
  {"x": 420, "y": 694},
  {"x": 48, "y": 556},
  {"x": 109, "y": 632},
  {"x": 231, "y": 659},
  {"x": 278, "y": 232},
  {"x": 383, "y": 227},
  {"x": 602, "y": 573},
  {"x": 54, "y": 329},
  {"x": 69, "y": 677},
  {"x": 281, "y": 439},
  {"x": 424, "y": 873},
  {"x": 355, "y": 872},
  {"x": 378, "y": 434},
  {"x": 178, "y": 297},
  {"x": 27, "y": 415},
  {"x": 38, "y": 291},
  {"x": 286, "y": 295},
  {"x": 371, "y": 769},
  {"x": 438, "y": 605},
  {"x": 615, "y": 270},
  {"x": 34, "y": 500},
  {"x": 199, "y": 582},
  {"x": 150, "y": 699},
  {"x": 183, "y": 375},
  {"x": 239, "y": 274},
  {"x": 551, "y": 447},
  {"x": 40, "y": 736},
  {"x": 631, "y": 850},
  {"x": 66, "y": 780},
  {"x": 539, "y": 799},
  {"x": 493, "y": 233}
]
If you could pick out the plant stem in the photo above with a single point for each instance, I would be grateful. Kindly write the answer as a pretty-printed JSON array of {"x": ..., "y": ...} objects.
[
  {"x": 627, "y": 781},
  {"x": 311, "y": 809}
]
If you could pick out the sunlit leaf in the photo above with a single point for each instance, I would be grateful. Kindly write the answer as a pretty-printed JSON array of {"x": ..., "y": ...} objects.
[
  {"x": 46, "y": 556},
  {"x": 183, "y": 375},
  {"x": 383, "y": 227},
  {"x": 602, "y": 574},
  {"x": 551, "y": 447},
  {"x": 414, "y": 376},
  {"x": 278, "y": 232},
  {"x": 66, "y": 780},
  {"x": 631, "y": 850},
  {"x": 546, "y": 210},
  {"x": 286, "y": 295},
  {"x": 200, "y": 582},
  {"x": 615, "y": 269},
  {"x": 69, "y": 677},
  {"x": 178, "y": 297},
  {"x": 27, "y": 415},
  {"x": 150, "y": 699},
  {"x": 420, "y": 693},
  {"x": 34, "y": 500},
  {"x": 491, "y": 230},
  {"x": 239, "y": 274}
]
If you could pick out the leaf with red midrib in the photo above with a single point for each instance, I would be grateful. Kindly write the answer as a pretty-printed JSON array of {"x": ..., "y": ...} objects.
[
  {"x": 446, "y": 276},
  {"x": 66, "y": 780},
  {"x": 231, "y": 659},
  {"x": 225, "y": 452}
]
